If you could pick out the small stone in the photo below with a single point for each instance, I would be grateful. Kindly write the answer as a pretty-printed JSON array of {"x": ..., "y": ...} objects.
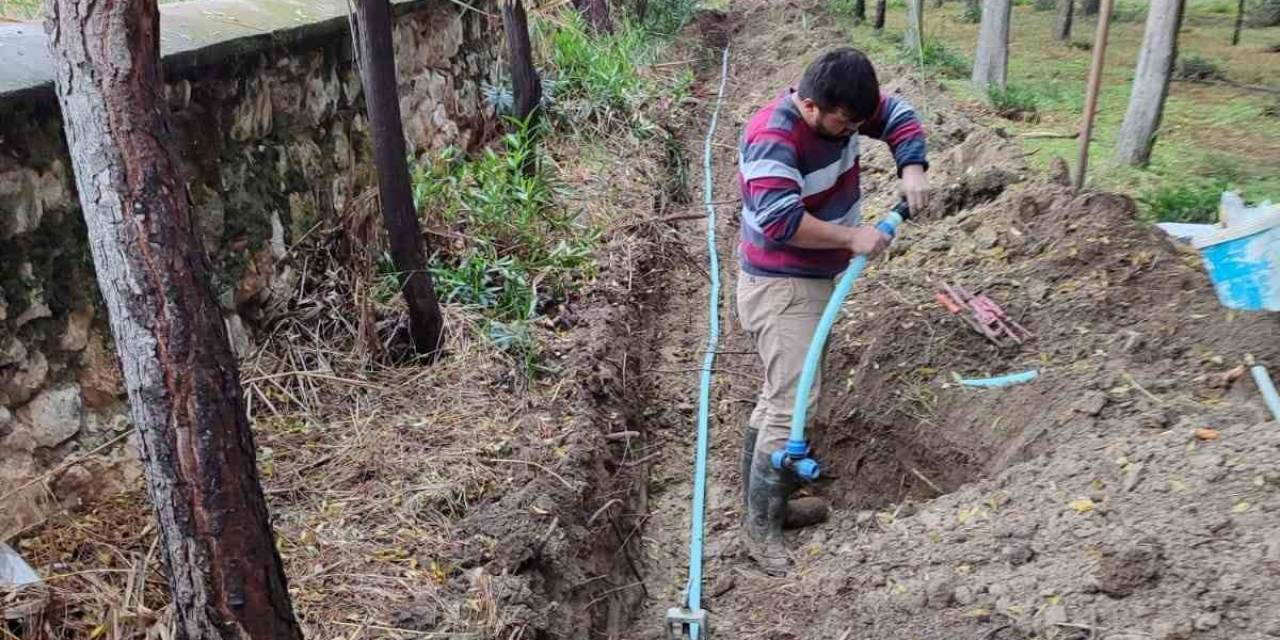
[
  {"x": 1054, "y": 615},
  {"x": 964, "y": 596},
  {"x": 1018, "y": 553},
  {"x": 1091, "y": 403},
  {"x": 24, "y": 381},
  {"x": 1124, "y": 570},
  {"x": 76, "y": 335},
  {"x": 941, "y": 593},
  {"x": 1207, "y": 621},
  {"x": 37, "y": 311},
  {"x": 1170, "y": 630},
  {"x": 864, "y": 518}
]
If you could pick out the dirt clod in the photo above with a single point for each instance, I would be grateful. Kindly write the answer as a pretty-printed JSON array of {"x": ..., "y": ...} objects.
[{"x": 1126, "y": 568}]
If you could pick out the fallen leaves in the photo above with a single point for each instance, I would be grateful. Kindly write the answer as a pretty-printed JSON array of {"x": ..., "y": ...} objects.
[
  {"x": 1206, "y": 434},
  {"x": 1082, "y": 505}
]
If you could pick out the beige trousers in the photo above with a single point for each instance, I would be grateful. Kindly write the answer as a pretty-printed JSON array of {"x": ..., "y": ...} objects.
[{"x": 780, "y": 314}]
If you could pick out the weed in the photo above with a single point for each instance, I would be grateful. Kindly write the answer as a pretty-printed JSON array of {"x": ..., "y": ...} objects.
[
  {"x": 972, "y": 13},
  {"x": 1014, "y": 102},
  {"x": 1045, "y": 5},
  {"x": 1272, "y": 109},
  {"x": 520, "y": 252},
  {"x": 937, "y": 57},
  {"x": 1185, "y": 202},
  {"x": 1081, "y": 45},
  {"x": 1196, "y": 67}
]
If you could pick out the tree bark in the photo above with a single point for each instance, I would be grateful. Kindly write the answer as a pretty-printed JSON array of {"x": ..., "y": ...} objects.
[
  {"x": 597, "y": 14},
  {"x": 1235, "y": 34},
  {"x": 382, "y": 101},
  {"x": 859, "y": 11},
  {"x": 879, "y": 21},
  {"x": 526, "y": 86},
  {"x": 225, "y": 575},
  {"x": 1150, "y": 83},
  {"x": 911, "y": 38},
  {"x": 991, "y": 61},
  {"x": 1062, "y": 23}
]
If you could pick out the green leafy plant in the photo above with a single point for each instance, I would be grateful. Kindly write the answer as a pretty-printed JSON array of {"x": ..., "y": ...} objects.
[
  {"x": 939, "y": 58},
  {"x": 1185, "y": 202},
  {"x": 1014, "y": 101},
  {"x": 1197, "y": 67}
]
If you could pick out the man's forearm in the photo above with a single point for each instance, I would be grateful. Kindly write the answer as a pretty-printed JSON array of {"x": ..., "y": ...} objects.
[{"x": 819, "y": 234}]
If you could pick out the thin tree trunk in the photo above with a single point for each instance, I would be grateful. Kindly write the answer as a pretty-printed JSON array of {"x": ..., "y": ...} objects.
[
  {"x": 1150, "y": 83},
  {"x": 1235, "y": 34},
  {"x": 912, "y": 36},
  {"x": 225, "y": 576},
  {"x": 972, "y": 8},
  {"x": 879, "y": 21},
  {"x": 859, "y": 11},
  {"x": 1089, "y": 7},
  {"x": 991, "y": 62},
  {"x": 597, "y": 14},
  {"x": 1062, "y": 24},
  {"x": 526, "y": 87},
  {"x": 382, "y": 101}
]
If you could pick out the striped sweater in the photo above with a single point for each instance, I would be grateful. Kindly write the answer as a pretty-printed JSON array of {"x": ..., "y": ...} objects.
[{"x": 786, "y": 169}]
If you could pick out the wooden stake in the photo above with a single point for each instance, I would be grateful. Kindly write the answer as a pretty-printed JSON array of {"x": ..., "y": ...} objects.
[{"x": 1091, "y": 93}]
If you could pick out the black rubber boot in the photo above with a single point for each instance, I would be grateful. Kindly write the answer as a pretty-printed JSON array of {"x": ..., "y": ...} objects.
[
  {"x": 748, "y": 453},
  {"x": 766, "y": 510}
]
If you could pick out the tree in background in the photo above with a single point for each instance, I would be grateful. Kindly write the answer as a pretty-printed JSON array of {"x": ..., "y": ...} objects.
[
  {"x": 879, "y": 21},
  {"x": 382, "y": 102},
  {"x": 859, "y": 11},
  {"x": 1062, "y": 22},
  {"x": 526, "y": 87},
  {"x": 225, "y": 576},
  {"x": 1235, "y": 33},
  {"x": 1089, "y": 7},
  {"x": 1150, "y": 82},
  {"x": 991, "y": 61},
  {"x": 597, "y": 14},
  {"x": 913, "y": 37}
]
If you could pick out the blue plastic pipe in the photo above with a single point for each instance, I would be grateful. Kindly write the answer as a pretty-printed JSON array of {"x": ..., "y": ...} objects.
[
  {"x": 1000, "y": 381},
  {"x": 1268, "y": 389},
  {"x": 697, "y": 529},
  {"x": 796, "y": 455}
]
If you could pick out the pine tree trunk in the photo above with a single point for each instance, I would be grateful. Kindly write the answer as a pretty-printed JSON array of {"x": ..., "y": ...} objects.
[
  {"x": 382, "y": 101},
  {"x": 1235, "y": 34},
  {"x": 1150, "y": 83},
  {"x": 991, "y": 61},
  {"x": 597, "y": 14},
  {"x": 526, "y": 87},
  {"x": 1062, "y": 24},
  {"x": 879, "y": 21},
  {"x": 859, "y": 11},
  {"x": 1089, "y": 7},
  {"x": 225, "y": 577},
  {"x": 912, "y": 36}
]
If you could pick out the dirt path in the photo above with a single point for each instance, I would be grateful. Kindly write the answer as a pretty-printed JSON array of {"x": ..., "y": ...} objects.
[{"x": 1081, "y": 506}]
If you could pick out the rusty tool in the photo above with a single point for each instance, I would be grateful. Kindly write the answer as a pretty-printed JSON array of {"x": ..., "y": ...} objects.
[{"x": 982, "y": 314}]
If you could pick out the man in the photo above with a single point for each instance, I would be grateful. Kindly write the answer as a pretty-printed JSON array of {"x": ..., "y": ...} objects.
[{"x": 801, "y": 225}]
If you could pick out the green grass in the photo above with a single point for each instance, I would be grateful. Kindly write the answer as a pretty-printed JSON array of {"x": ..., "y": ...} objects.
[
  {"x": 1202, "y": 123},
  {"x": 1014, "y": 101}
]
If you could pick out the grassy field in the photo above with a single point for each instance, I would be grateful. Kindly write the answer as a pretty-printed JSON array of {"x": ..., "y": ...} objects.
[{"x": 1212, "y": 137}]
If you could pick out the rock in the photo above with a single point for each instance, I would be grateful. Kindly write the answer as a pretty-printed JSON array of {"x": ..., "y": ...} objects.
[
  {"x": 986, "y": 237},
  {"x": 73, "y": 486},
  {"x": 1207, "y": 621},
  {"x": 940, "y": 593},
  {"x": 36, "y": 311},
  {"x": 1170, "y": 630},
  {"x": 1125, "y": 569},
  {"x": 100, "y": 379},
  {"x": 964, "y": 596},
  {"x": 23, "y": 381},
  {"x": 252, "y": 116},
  {"x": 1059, "y": 172},
  {"x": 1054, "y": 615},
  {"x": 20, "y": 201},
  {"x": 13, "y": 352},
  {"x": 1018, "y": 553},
  {"x": 54, "y": 416},
  {"x": 76, "y": 335},
  {"x": 1091, "y": 403},
  {"x": 238, "y": 335}
]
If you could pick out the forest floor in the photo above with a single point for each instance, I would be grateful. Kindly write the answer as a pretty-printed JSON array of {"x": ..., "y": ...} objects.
[{"x": 1131, "y": 491}]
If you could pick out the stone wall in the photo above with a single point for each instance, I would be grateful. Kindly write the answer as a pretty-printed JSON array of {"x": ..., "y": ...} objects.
[{"x": 274, "y": 139}]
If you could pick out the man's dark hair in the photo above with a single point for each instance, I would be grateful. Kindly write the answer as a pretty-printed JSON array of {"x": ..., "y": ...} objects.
[{"x": 842, "y": 79}]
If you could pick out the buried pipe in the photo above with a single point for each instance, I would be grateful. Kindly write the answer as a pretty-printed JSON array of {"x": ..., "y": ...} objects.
[
  {"x": 997, "y": 382},
  {"x": 1265, "y": 386},
  {"x": 796, "y": 455}
]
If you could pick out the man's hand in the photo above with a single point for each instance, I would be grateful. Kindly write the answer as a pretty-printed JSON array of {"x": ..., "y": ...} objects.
[
  {"x": 867, "y": 240},
  {"x": 915, "y": 186}
]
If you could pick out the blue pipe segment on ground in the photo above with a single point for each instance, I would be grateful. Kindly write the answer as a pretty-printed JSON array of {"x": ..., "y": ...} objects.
[
  {"x": 1000, "y": 381},
  {"x": 698, "y": 530},
  {"x": 1267, "y": 388}
]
